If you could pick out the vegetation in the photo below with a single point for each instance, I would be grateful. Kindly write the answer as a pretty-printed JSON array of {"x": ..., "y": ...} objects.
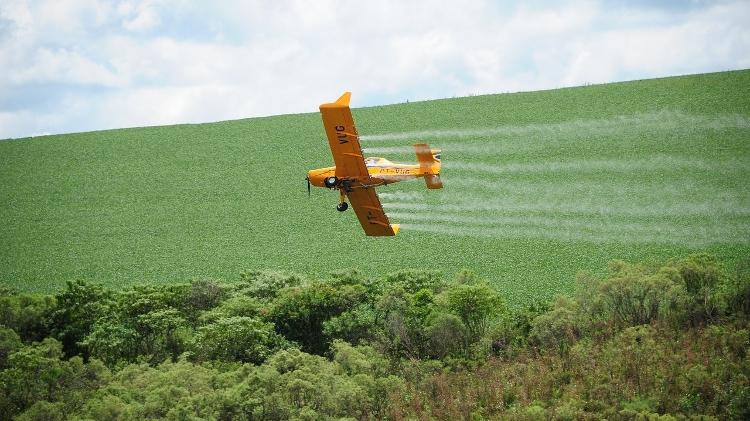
[
  {"x": 646, "y": 341},
  {"x": 564, "y": 180}
]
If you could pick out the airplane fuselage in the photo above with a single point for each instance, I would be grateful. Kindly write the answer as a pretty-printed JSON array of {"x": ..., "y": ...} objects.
[{"x": 379, "y": 174}]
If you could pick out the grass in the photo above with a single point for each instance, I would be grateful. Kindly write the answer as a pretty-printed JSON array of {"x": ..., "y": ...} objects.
[{"x": 538, "y": 186}]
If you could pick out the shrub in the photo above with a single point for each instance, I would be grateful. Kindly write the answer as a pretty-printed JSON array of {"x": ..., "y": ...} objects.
[
  {"x": 204, "y": 294},
  {"x": 9, "y": 343},
  {"x": 37, "y": 373},
  {"x": 240, "y": 305},
  {"x": 703, "y": 279},
  {"x": 352, "y": 326},
  {"x": 404, "y": 317},
  {"x": 43, "y": 411},
  {"x": 266, "y": 285},
  {"x": 556, "y": 330},
  {"x": 242, "y": 339},
  {"x": 26, "y": 314},
  {"x": 447, "y": 336},
  {"x": 476, "y": 305},
  {"x": 299, "y": 313},
  {"x": 635, "y": 295},
  {"x": 412, "y": 281},
  {"x": 79, "y": 306},
  {"x": 112, "y": 340}
]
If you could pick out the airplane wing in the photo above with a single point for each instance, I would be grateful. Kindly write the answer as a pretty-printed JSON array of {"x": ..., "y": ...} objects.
[
  {"x": 343, "y": 138},
  {"x": 370, "y": 212}
]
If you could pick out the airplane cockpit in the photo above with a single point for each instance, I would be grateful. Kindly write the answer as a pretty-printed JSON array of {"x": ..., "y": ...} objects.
[{"x": 376, "y": 161}]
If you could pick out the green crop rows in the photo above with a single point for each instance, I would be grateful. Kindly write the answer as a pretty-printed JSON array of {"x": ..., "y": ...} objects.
[{"x": 538, "y": 186}]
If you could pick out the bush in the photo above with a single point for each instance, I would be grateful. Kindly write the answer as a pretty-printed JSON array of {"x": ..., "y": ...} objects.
[
  {"x": 240, "y": 305},
  {"x": 112, "y": 340},
  {"x": 242, "y": 339},
  {"x": 412, "y": 281},
  {"x": 37, "y": 373},
  {"x": 79, "y": 306},
  {"x": 645, "y": 341},
  {"x": 403, "y": 318},
  {"x": 266, "y": 285},
  {"x": 43, "y": 411},
  {"x": 26, "y": 314},
  {"x": 635, "y": 295},
  {"x": 447, "y": 336},
  {"x": 703, "y": 279},
  {"x": 9, "y": 343},
  {"x": 556, "y": 330},
  {"x": 352, "y": 326},
  {"x": 203, "y": 295},
  {"x": 299, "y": 313},
  {"x": 476, "y": 305}
]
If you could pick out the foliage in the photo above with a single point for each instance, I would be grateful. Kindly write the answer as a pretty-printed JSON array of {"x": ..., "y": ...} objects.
[
  {"x": 475, "y": 305},
  {"x": 265, "y": 285},
  {"x": 37, "y": 373},
  {"x": 78, "y": 309},
  {"x": 647, "y": 341},
  {"x": 237, "y": 338},
  {"x": 26, "y": 314},
  {"x": 9, "y": 343},
  {"x": 557, "y": 329},
  {"x": 299, "y": 312}
]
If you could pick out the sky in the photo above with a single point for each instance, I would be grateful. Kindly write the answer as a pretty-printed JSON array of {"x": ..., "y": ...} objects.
[{"x": 81, "y": 65}]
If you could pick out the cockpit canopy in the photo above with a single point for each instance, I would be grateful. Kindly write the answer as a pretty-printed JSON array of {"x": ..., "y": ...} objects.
[{"x": 376, "y": 161}]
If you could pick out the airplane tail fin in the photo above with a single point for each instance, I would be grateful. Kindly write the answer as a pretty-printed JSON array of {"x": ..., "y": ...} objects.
[{"x": 429, "y": 164}]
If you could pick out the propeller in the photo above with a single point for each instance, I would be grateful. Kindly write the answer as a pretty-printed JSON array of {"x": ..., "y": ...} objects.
[{"x": 308, "y": 186}]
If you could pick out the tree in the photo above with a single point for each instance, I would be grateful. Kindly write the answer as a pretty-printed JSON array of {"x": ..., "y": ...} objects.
[
  {"x": 447, "y": 335},
  {"x": 412, "y": 281},
  {"x": 299, "y": 313},
  {"x": 79, "y": 306},
  {"x": 556, "y": 329},
  {"x": 9, "y": 343},
  {"x": 476, "y": 305},
  {"x": 164, "y": 334},
  {"x": 266, "y": 285},
  {"x": 112, "y": 340},
  {"x": 404, "y": 318},
  {"x": 38, "y": 373},
  {"x": 243, "y": 339},
  {"x": 26, "y": 314}
]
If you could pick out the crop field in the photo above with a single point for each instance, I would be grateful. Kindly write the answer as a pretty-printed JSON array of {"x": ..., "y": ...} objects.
[{"x": 538, "y": 187}]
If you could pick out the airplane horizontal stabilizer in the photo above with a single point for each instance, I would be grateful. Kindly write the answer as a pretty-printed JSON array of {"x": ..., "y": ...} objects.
[{"x": 433, "y": 181}]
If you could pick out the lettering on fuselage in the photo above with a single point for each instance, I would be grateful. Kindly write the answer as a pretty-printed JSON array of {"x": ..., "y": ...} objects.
[
  {"x": 397, "y": 171},
  {"x": 341, "y": 135}
]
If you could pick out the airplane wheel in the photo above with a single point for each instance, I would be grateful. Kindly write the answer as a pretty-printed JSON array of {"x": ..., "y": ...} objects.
[
  {"x": 342, "y": 206},
  {"x": 330, "y": 182}
]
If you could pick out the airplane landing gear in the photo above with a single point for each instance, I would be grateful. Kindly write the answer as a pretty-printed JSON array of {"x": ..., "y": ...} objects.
[{"x": 342, "y": 206}]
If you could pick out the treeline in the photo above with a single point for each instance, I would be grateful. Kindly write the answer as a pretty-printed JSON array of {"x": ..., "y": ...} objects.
[{"x": 666, "y": 341}]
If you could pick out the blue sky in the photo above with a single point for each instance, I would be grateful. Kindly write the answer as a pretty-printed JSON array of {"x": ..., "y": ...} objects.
[{"x": 80, "y": 65}]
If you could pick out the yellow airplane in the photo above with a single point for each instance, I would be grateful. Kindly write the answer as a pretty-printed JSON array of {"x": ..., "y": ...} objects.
[{"x": 355, "y": 177}]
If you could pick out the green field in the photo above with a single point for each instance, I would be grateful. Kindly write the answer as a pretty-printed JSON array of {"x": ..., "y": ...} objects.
[{"x": 538, "y": 186}]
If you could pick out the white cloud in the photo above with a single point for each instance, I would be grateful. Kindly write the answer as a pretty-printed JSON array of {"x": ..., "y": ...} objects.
[
  {"x": 64, "y": 66},
  {"x": 139, "y": 16},
  {"x": 158, "y": 62}
]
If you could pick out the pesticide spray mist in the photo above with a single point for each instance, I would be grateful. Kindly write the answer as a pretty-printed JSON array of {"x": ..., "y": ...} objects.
[{"x": 654, "y": 187}]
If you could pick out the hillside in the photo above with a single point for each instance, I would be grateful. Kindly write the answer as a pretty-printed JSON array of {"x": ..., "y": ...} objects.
[{"x": 538, "y": 186}]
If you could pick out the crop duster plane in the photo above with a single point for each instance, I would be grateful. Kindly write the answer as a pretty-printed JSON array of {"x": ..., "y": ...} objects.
[{"x": 355, "y": 177}]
